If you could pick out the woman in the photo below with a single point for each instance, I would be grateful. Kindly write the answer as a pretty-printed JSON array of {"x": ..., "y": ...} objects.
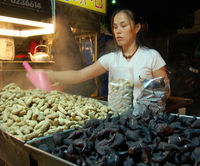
[{"x": 132, "y": 62}]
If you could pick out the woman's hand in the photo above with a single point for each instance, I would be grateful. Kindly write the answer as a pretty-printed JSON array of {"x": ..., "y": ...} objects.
[{"x": 162, "y": 73}]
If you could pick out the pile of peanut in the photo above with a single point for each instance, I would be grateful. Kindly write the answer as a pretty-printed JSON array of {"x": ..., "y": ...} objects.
[{"x": 29, "y": 114}]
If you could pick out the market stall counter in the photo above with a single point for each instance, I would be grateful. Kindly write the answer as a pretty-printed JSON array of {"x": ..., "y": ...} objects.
[{"x": 14, "y": 144}]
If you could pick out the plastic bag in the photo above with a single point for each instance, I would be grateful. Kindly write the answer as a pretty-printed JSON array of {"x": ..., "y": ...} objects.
[
  {"x": 153, "y": 96},
  {"x": 120, "y": 97}
]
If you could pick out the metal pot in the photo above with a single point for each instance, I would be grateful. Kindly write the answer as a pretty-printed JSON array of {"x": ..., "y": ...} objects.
[{"x": 40, "y": 55}]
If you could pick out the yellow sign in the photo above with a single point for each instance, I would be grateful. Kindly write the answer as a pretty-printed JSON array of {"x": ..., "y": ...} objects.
[{"x": 96, "y": 5}]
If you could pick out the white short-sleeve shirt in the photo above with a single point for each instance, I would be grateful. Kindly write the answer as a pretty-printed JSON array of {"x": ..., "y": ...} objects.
[{"x": 140, "y": 66}]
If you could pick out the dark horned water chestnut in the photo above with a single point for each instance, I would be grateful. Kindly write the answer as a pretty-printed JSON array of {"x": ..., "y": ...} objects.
[{"x": 130, "y": 140}]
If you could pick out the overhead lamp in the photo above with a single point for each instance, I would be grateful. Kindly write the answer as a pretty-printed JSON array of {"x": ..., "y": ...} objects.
[
  {"x": 113, "y": 1},
  {"x": 28, "y": 28}
]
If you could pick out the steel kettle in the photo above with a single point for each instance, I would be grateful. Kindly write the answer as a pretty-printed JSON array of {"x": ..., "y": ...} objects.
[{"x": 41, "y": 53}]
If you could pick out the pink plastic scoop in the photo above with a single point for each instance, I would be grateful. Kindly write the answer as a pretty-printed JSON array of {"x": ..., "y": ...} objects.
[{"x": 39, "y": 78}]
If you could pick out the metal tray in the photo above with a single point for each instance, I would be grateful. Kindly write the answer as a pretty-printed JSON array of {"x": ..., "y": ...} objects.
[
  {"x": 12, "y": 150},
  {"x": 39, "y": 157},
  {"x": 16, "y": 152},
  {"x": 185, "y": 116}
]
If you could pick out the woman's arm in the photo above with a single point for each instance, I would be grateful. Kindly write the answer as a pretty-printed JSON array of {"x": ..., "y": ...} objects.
[
  {"x": 77, "y": 76},
  {"x": 162, "y": 73}
]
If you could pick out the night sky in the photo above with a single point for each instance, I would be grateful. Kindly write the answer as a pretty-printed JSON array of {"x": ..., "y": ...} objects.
[{"x": 164, "y": 17}]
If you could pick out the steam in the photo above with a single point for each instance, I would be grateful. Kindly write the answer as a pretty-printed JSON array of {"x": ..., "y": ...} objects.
[
  {"x": 67, "y": 56},
  {"x": 65, "y": 49}
]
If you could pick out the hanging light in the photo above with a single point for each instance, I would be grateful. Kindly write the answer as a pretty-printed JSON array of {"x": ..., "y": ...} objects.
[
  {"x": 113, "y": 1},
  {"x": 39, "y": 28}
]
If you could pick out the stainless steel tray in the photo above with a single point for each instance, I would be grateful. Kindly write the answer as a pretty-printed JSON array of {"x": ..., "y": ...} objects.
[
  {"x": 12, "y": 150},
  {"x": 43, "y": 158}
]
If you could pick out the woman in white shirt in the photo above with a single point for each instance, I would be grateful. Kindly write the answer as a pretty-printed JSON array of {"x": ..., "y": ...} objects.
[{"x": 132, "y": 62}]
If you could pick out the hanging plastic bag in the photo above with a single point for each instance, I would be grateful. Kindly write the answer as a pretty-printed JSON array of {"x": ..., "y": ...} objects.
[{"x": 153, "y": 96}]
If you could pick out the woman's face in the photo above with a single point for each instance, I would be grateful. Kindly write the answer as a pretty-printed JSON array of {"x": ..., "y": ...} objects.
[{"x": 125, "y": 31}]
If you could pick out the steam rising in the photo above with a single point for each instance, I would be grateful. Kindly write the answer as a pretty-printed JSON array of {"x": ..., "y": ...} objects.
[{"x": 67, "y": 56}]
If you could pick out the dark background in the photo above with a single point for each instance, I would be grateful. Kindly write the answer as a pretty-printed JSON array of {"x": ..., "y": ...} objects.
[{"x": 164, "y": 17}]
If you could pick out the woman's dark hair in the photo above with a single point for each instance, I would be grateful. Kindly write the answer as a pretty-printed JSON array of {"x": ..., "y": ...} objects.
[{"x": 132, "y": 16}]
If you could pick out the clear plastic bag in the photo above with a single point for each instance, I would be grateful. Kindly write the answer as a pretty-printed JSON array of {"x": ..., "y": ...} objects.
[
  {"x": 120, "y": 97},
  {"x": 153, "y": 96}
]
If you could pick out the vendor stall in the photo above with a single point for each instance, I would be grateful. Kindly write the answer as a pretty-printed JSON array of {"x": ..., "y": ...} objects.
[
  {"x": 55, "y": 122},
  {"x": 65, "y": 128}
]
